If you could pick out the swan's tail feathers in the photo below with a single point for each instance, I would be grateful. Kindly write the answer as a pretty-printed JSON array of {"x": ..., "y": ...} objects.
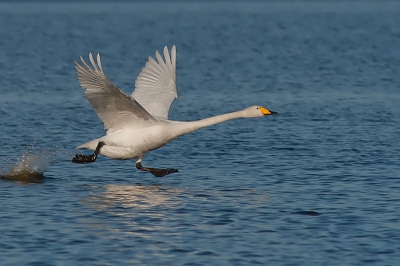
[{"x": 91, "y": 145}]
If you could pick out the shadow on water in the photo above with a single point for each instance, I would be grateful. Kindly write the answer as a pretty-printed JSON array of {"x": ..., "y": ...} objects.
[
  {"x": 308, "y": 213},
  {"x": 29, "y": 167}
]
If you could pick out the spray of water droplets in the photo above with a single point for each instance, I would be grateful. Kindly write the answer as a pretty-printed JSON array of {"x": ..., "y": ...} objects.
[{"x": 30, "y": 166}]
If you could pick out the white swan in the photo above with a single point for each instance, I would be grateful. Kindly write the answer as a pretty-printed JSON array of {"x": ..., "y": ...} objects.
[{"x": 139, "y": 123}]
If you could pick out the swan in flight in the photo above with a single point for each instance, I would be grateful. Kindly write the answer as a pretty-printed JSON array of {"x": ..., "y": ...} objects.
[{"x": 138, "y": 123}]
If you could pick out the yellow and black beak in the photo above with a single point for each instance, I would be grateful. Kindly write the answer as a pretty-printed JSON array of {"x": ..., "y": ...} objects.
[{"x": 265, "y": 111}]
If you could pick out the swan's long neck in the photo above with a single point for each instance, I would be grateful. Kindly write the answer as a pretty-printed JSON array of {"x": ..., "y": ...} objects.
[{"x": 187, "y": 127}]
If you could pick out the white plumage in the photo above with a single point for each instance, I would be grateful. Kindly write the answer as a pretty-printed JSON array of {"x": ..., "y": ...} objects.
[
  {"x": 155, "y": 87},
  {"x": 139, "y": 123}
]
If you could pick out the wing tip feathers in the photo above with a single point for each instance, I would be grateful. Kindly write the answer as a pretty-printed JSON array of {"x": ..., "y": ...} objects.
[{"x": 95, "y": 67}]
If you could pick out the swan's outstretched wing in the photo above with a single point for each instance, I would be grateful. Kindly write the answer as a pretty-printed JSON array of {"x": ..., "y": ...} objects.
[
  {"x": 155, "y": 87},
  {"x": 114, "y": 107}
]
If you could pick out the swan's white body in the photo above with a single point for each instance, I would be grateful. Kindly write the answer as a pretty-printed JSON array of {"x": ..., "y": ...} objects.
[
  {"x": 139, "y": 123},
  {"x": 130, "y": 142}
]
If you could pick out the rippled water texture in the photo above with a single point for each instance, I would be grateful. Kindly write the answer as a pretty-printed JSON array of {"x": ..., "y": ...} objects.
[{"x": 317, "y": 184}]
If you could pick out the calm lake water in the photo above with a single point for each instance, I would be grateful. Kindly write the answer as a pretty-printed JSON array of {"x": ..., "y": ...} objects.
[{"x": 318, "y": 184}]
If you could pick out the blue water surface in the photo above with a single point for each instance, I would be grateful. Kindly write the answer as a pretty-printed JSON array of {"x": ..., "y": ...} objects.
[{"x": 317, "y": 184}]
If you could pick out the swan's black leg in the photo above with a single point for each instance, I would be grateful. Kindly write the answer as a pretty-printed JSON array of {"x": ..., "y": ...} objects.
[
  {"x": 155, "y": 171},
  {"x": 81, "y": 158}
]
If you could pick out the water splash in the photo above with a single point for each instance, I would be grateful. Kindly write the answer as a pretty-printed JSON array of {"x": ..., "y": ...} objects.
[{"x": 30, "y": 167}]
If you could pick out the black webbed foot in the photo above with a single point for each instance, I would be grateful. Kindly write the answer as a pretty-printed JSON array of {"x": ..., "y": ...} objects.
[
  {"x": 81, "y": 158},
  {"x": 156, "y": 172},
  {"x": 161, "y": 172}
]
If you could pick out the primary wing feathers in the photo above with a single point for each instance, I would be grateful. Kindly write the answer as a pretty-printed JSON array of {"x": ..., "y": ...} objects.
[
  {"x": 155, "y": 87},
  {"x": 113, "y": 106}
]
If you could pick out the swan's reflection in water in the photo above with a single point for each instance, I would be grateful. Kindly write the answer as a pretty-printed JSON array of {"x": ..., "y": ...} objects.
[
  {"x": 140, "y": 211},
  {"x": 132, "y": 196}
]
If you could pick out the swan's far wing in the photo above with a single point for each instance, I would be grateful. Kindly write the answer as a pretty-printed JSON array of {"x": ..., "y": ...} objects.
[
  {"x": 114, "y": 107},
  {"x": 155, "y": 87}
]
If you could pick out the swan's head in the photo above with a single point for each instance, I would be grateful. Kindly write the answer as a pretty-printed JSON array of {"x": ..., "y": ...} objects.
[{"x": 258, "y": 111}]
